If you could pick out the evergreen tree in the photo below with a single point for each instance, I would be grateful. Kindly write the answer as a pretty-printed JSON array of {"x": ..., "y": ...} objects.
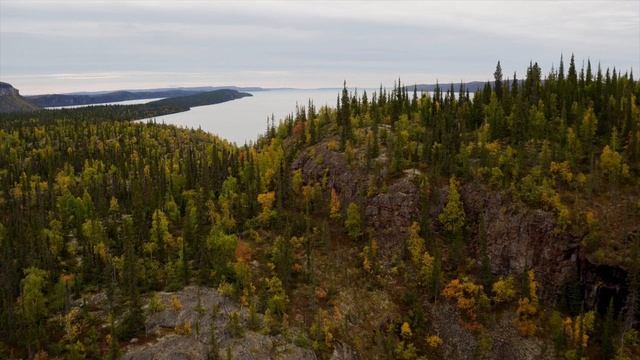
[
  {"x": 133, "y": 322},
  {"x": 452, "y": 218},
  {"x": 344, "y": 115},
  {"x": 572, "y": 82},
  {"x": 497, "y": 76},
  {"x": 608, "y": 326},
  {"x": 353, "y": 222}
]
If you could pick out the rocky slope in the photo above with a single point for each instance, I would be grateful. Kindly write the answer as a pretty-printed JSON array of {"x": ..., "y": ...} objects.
[
  {"x": 518, "y": 239},
  {"x": 167, "y": 336}
]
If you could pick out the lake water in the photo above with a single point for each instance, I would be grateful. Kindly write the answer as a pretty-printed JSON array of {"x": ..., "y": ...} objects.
[{"x": 242, "y": 120}]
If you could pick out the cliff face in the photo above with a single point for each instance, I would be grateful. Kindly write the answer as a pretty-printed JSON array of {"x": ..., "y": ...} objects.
[
  {"x": 518, "y": 238},
  {"x": 388, "y": 213},
  {"x": 391, "y": 213},
  {"x": 12, "y": 101}
]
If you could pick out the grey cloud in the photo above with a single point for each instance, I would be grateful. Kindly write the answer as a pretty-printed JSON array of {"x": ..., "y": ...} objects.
[{"x": 293, "y": 44}]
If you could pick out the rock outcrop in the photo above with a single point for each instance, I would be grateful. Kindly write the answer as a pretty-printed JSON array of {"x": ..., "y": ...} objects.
[
  {"x": 182, "y": 330},
  {"x": 320, "y": 165},
  {"x": 391, "y": 213},
  {"x": 12, "y": 101},
  {"x": 518, "y": 238},
  {"x": 505, "y": 343},
  {"x": 7, "y": 89},
  {"x": 388, "y": 213},
  {"x": 342, "y": 351}
]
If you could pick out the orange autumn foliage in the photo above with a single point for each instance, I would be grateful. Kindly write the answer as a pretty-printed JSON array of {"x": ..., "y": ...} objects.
[
  {"x": 243, "y": 252},
  {"x": 468, "y": 297}
]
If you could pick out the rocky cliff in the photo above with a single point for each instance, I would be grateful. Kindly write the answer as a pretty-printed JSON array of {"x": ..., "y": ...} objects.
[
  {"x": 389, "y": 213},
  {"x": 518, "y": 237},
  {"x": 7, "y": 89},
  {"x": 12, "y": 101}
]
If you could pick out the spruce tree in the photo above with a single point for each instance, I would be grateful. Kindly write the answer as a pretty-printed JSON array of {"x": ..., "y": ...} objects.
[
  {"x": 561, "y": 70},
  {"x": 133, "y": 322},
  {"x": 514, "y": 85},
  {"x": 589, "y": 77},
  {"x": 345, "y": 117},
  {"x": 572, "y": 82},
  {"x": 497, "y": 76},
  {"x": 608, "y": 327}
]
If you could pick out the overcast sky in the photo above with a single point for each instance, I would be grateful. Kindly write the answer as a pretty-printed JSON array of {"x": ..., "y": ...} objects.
[{"x": 52, "y": 46}]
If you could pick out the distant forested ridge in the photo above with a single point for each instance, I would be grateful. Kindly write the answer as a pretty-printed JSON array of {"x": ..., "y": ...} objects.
[
  {"x": 57, "y": 100},
  {"x": 395, "y": 225},
  {"x": 200, "y": 99},
  {"x": 135, "y": 111}
]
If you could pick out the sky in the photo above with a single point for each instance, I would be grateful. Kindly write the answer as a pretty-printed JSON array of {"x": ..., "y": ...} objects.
[{"x": 86, "y": 45}]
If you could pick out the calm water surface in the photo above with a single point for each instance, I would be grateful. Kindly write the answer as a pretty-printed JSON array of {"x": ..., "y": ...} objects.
[{"x": 242, "y": 120}]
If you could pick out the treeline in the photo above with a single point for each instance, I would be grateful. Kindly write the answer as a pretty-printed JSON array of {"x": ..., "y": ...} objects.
[{"x": 81, "y": 199}]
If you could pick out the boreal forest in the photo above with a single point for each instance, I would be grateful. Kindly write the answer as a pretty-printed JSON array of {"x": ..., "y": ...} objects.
[{"x": 497, "y": 224}]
